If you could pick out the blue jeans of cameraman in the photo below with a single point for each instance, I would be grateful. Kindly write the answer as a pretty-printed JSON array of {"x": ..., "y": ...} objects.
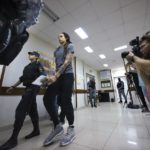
[
  {"x": 121, "y": 93},
  {"x": 92, "y": 96}
]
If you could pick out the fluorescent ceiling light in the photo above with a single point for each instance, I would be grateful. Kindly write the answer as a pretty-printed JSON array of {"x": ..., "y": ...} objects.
[
  {"x": 102, "y": 56},
  {"x": 88, "y": 49},
  {"x": 120, "y": 48},
  {"x": 105, "y": 65},
  {"x": 81, "y": 33},
  {"x": 131, "y": 142}
]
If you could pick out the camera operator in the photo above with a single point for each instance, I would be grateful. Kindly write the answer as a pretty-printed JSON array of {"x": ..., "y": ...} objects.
[{"x": 142, "y": 64}]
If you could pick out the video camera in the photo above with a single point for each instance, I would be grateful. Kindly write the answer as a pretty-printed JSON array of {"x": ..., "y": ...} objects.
[{"x": 135, "y": 44}]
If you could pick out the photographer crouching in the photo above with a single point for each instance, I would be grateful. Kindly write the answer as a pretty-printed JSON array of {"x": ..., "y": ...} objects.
[{"x": 142, "y": 62}]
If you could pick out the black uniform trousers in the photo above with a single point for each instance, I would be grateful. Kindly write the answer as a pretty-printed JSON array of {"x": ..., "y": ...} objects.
[
  {"x": 61, "y": 115},
  {"x": 27, "y": 106},
  {"x": 64, "y": 88}
]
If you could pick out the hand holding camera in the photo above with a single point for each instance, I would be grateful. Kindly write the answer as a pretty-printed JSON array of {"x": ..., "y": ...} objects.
[
  {"x": 130, "y": 57},
  {"x": 135, "y": 43}
]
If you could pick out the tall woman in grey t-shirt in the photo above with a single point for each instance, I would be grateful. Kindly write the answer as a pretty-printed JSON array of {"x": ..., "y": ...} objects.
[{"x": 61, "y": 84}]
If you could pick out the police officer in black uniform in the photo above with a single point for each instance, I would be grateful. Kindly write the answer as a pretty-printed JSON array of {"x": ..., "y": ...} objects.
[{"x": 27, "y": 105}]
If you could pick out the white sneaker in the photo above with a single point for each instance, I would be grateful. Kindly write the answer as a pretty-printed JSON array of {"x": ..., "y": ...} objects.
[
  {"x": 58, "y": 131},
  {"x": 68, "y": 137}
]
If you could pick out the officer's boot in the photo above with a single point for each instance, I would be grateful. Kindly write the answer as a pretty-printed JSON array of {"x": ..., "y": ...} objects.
[
  {"x": 13, "y": 140},
  {"x": 36, "y": 130}
]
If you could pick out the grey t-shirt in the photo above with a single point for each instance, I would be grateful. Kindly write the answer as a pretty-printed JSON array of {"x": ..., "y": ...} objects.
[{"x": 60, "y": 55}]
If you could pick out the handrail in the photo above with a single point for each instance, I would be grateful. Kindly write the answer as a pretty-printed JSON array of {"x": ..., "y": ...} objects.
[
  {"x": 20, "y": 91},
  {"x": 16, "y": 91}
]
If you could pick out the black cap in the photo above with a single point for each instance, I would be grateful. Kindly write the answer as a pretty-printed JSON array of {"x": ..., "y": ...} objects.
[{"x": 34, "y": 53}]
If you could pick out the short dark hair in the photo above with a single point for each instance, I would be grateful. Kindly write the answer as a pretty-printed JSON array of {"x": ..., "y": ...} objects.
[
  {"x": 147, "y": 33},
  {"x": 145, "y": 37},
  {"x": 66, "y": 35},
  {"x": 119, "y": 79}
]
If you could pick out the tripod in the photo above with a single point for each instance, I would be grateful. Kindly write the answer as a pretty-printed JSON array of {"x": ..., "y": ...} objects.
[{"x": 131, "y": 84}]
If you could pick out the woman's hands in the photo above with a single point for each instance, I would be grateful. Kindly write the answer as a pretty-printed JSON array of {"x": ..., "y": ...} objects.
[{"x": 49, "y": 80}]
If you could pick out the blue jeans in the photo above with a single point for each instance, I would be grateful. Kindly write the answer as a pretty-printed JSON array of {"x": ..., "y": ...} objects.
[{"x": 121, "y": 92}]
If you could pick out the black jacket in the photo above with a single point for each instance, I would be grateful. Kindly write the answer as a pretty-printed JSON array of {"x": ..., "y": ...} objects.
[
  {"x": 120, "y": 85},
  {"x": 91, "y": 84},
  {"x": 31, "y": 72}
]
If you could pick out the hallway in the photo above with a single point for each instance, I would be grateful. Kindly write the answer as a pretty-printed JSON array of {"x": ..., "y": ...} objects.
[{"x": 107, "y": 127}]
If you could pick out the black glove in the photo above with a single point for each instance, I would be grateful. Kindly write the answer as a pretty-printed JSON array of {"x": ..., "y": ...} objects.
[
  {"x": 15, "y": 45},
  {"x": 15, "y": 28},
  {"x": 18, "y": 26}
]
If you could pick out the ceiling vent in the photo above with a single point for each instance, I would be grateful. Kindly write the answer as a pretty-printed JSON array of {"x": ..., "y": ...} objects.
[{"x": 48, "y": 12}]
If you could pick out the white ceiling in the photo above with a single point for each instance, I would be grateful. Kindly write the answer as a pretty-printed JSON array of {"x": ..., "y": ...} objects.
[{"x": 109, "y": 24}]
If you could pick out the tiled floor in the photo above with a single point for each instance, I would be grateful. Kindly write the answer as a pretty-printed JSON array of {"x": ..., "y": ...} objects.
[{"x": 108, "y": 127}]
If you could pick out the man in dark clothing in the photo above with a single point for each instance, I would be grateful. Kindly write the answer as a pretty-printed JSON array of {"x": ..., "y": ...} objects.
[
  {"x": 92, "y": 92},
  {"x": 15, "y": 17},
  {"x": 120, "y": 86},
  {"x": 27, "y": 105}
]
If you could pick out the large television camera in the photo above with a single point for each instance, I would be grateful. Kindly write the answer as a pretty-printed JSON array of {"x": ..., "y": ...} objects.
[{"x": 135, "y": 44}]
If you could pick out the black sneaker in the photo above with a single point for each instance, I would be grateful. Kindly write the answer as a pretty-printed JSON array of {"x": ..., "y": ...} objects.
[{"x": 11, "y": 143}]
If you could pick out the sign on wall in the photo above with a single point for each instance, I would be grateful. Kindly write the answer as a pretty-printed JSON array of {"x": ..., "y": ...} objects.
[
  {"x": 105, "y": 79},
  {"x": 80, "y": 81}
]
